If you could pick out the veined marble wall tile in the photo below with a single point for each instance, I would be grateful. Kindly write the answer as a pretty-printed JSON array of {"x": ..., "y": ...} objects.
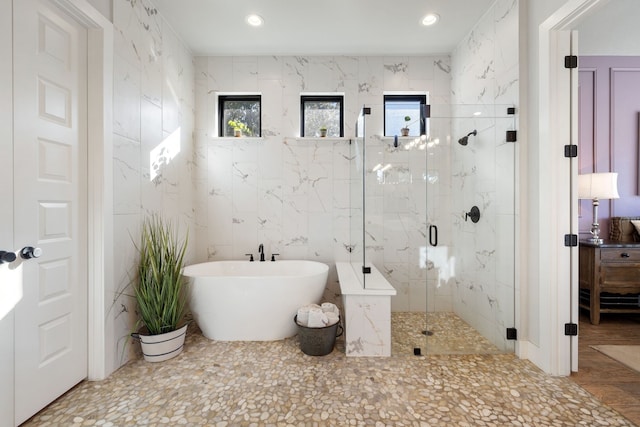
[
  {"x": 126, "y": 175},
  {"x": 320, "y": 187},
  {"x": 485, "y": 72},
  {"x": 371, "y": 80},
  {"x": 302, "y": 203},
  {"x": 369, "y": 321},
  {"x": 151, "y": 166},
  {"x": 395, "y": 75},
  {"x": 346, "y": 68},
  {"x": 270, "y": 153},
  {"x": 126, "y": 99},
  {"x": 320, "y": 248},
  {"x": 270, "y": 67},
  {"x": 245, "y": 74},
  {"x": 127, "y": 24},
  {"x": 202, "y": 105},
  {"x": 220, "y": 74},
  {"x": 507, "y": 27},
  {"x": 420, "y": 68},
  {"x": 123, "y": 307},
  {"x": 245, "y": 187},
  {"x": 295, "y": 72},
  {"x": 152, "y": 92},
  {"x": 270, "y": 205},
  {"x": 507, "y": 86},
  {"x": 505, "y": 256},
  {"x": 321, "y": 74},
  {"x": 173, "y": 71},
  {"x": 272, "y": 103},
  {"x": 150, "y": 51},
  {"x": 245, "y": 237}
]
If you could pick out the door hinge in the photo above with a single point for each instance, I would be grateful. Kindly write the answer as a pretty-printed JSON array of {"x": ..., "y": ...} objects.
[
  {"x": 570, "y": 61},
  {"x": 571, "y": 329},
  {"x": 366, "y": 270},
  {"x": 571, "y": 150},
  {"x": 512, "y": 334},
  {"x": 512, "y": 136},
  {"x": 571, "y": 240}
]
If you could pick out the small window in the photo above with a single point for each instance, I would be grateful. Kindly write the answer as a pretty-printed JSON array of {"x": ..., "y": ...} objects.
[
  {"x": 399, "y": 108},
  {"x": 322, "y": 115},
  {"x": 239, "y": 115}
]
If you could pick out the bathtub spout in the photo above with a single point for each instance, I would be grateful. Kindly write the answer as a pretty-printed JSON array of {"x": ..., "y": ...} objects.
[{"x": 261, "y": 250}]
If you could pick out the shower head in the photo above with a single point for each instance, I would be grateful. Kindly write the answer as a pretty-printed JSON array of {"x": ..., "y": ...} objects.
[{"x": 465, "y": 139}]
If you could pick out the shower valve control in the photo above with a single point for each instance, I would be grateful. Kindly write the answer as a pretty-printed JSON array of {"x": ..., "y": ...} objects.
[
  {"x": 473, "y": 215},
  {"x": 29, "y": 252}
]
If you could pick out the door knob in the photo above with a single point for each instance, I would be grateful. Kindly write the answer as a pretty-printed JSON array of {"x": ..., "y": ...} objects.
[
  {"x": 7, "y": 257},
  {"x": 29, "y": 252}
]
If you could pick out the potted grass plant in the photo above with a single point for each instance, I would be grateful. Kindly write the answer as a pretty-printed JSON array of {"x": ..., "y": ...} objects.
[
  {"x": 159, "y": 290},
  {"x": 405, "y": 130}
]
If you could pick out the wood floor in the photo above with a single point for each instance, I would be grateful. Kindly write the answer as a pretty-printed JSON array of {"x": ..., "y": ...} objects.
[{"x": 608, "y": 380}]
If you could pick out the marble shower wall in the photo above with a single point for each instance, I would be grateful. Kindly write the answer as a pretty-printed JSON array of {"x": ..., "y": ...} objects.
[
  {"x": 485, "y": 72},
  {"x": 153, "y": 122},
  {"x": 289, "y": 193}
]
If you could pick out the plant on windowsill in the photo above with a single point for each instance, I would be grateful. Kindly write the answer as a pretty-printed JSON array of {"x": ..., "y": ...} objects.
[
  {"x": 239, "y": 128},
  {"x": 405, "y": 130},
  {"x": 323, "y": 131},
  {"x": 159, "y": 290}
]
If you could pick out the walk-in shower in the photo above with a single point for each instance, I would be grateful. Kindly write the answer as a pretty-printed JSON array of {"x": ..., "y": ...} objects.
[{"x": 411, "y": 219}]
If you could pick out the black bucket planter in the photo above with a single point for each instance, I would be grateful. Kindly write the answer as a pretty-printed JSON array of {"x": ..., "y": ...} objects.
[{"x": 318, "y": 341}]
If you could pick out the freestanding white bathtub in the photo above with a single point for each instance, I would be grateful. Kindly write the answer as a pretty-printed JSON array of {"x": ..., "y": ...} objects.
[{"x": 252, "y": 301}]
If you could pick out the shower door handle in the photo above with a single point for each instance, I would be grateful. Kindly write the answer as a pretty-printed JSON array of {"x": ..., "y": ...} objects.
[{"x": 433, "y": 235}]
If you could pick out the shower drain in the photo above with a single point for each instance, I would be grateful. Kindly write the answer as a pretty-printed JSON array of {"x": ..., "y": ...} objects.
[{"x": 427, "y": 333}]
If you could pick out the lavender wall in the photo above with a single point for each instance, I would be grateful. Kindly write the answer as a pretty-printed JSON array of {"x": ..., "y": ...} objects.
[{"x": 609, "y": 99}]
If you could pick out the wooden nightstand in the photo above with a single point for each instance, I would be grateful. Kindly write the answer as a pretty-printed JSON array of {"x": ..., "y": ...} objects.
[{"x": 613, "y": 268}]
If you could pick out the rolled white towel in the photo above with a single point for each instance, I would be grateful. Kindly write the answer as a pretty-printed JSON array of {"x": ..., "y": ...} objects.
[
  {"x": 332, "y": 317},
  {"x": 329, "y": 307},
  {"x": 303, "y": 316},
  {"x": 317, "y": 319},
  {"x": 303, "y": 313}
]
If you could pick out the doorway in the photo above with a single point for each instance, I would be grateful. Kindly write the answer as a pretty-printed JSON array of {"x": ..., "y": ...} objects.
[{"x": 97, "y": 160}]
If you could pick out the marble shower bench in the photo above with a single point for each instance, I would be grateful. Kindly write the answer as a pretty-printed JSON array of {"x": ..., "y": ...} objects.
[{"x": 367, "y": 312}]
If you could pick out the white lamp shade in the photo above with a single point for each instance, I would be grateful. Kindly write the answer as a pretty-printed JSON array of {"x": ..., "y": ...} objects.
[{"x": 598, "y": 186}]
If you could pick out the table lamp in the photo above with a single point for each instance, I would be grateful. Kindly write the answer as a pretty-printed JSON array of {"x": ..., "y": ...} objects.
[{"x": 597, "y": 186}]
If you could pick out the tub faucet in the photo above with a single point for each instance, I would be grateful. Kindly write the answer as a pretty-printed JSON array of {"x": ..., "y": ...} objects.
[{"x": 261, "y": 250}]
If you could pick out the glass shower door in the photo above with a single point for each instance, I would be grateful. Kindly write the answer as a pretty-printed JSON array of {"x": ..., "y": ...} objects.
[{"x": 470, "y": 198}]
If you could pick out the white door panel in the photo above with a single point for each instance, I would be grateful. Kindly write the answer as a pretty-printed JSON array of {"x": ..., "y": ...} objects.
[{"x": 50, "y": 147}]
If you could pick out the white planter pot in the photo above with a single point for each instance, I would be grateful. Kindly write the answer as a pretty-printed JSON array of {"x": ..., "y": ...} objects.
[{"x": 157, "y": 348}]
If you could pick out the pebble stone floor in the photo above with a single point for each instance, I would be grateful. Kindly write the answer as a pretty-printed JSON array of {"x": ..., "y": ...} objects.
[{"x": 275, "y": 384}]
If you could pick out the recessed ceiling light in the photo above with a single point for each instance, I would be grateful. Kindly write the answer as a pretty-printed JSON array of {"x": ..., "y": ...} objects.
[
  {"x": 255, "y": 20},
  {"x": 430, "y": 19}
]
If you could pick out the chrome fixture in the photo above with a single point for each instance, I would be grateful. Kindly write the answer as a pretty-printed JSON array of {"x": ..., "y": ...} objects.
[{"x": 465, "y": 139}]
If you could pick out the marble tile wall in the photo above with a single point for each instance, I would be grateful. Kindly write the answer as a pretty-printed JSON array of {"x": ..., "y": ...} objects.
[
  {"x": 153, "y": 122},
  {"x": 485, "y": 72},
  {"x": 292, "y": 194}
]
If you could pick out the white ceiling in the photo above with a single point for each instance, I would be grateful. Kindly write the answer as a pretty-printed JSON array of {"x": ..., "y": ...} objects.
[{"x": 327, "y": 27}]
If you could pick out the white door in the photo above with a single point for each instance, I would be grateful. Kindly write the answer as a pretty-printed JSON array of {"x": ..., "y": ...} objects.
[{"x": 50, "y": 202}]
